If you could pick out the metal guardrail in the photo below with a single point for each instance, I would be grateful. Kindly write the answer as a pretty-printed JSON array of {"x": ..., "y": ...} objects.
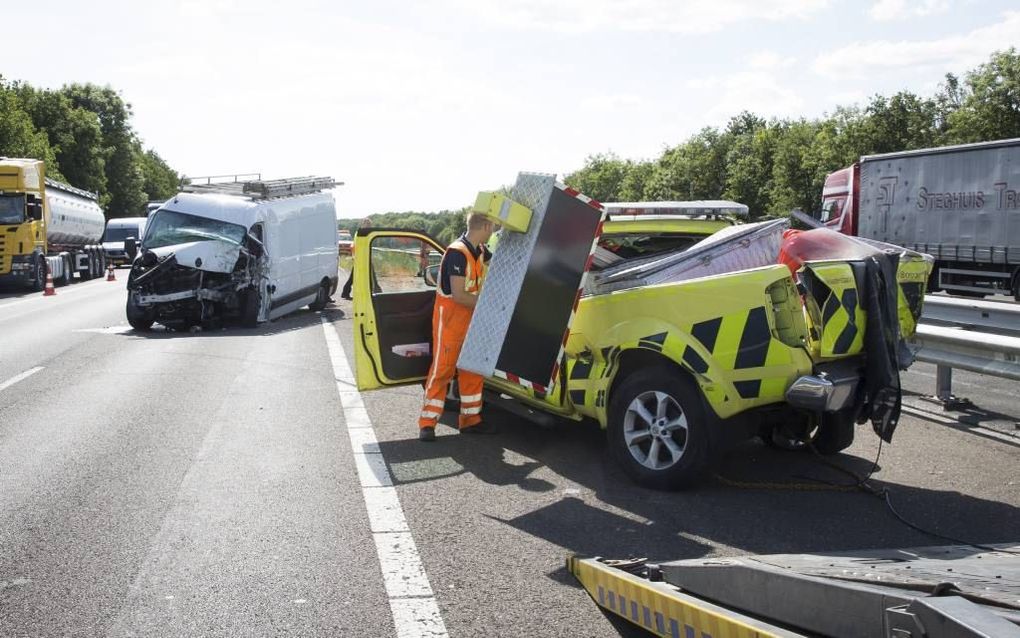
[{"x": 967, "y": 334}]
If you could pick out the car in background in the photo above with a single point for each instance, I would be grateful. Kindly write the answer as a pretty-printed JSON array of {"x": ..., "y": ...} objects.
[
  {"x": 117, "y": 231},
  {"x": 345, "y": 243}
]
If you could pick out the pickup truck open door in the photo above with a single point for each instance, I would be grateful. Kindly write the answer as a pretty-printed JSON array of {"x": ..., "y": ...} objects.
[{"x": 395, "y": 274}]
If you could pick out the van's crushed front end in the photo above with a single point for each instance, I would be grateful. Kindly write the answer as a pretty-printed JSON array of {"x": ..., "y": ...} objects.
[{"x": 194, "y": 271}]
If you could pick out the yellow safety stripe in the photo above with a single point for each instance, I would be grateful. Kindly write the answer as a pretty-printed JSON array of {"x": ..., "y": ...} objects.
[{"x": 661, "y": 608}]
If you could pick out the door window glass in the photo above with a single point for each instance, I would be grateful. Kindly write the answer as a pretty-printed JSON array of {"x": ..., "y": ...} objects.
[{"x": 403, "y": 264}]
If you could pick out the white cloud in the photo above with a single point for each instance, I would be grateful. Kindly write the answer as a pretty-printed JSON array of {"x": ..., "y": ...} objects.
[
  {"x": 770, "y": 60},
  {"x": 610, "y": 103},
  {"x": 688, "y": 16},
  {"x": 887, "y": 10},
  {"x": 759, "y": 92},
  {"x": 956, "y": 53}
]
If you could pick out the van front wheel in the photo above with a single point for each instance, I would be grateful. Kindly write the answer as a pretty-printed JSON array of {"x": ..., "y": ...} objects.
[{"x": 658, "y": 430}]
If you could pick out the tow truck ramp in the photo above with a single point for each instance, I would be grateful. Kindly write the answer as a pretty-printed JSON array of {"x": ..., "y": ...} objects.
[{"x": 928, "y": 592}]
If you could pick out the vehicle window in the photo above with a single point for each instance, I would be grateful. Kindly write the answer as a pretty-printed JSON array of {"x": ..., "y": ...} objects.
[
  {"x": 120, "y": 233},
  {"x": 403, "y": 264},
  {"x": 168, "y": 227},
  {"x": 831, "y": 209},
  {"x": 12, "y": 209},
  {"x": 615, "y": 248}
]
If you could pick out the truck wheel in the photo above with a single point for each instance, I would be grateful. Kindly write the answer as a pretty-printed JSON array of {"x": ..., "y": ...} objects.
[
  {"x": 90, "y": 271},
  {"x": 321, "y": 298},
  {"x": 140, "y": 318},
  {"x": 69, "y": 270},
  {"x": 250, "y": 309},
  {"x": 1016, "y": 287},
  {"x": 836, "y": 432},
  {"x": 39, "y": 282},
  {"x": 657, "y": 429}
]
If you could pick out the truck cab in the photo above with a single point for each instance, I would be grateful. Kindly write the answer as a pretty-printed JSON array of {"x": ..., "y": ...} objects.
[{"x": 675, "y": 365}]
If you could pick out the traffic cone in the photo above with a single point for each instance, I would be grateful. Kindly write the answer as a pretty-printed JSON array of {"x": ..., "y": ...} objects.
[
  {"x": 109, "y": 273},
  {"x": 49, "y": 291}
]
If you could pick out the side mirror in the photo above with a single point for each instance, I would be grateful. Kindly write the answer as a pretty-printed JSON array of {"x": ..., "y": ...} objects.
[
  {"x": 35, "y": 211},
  {"x": 431, "y": 276},
  {"x": 131, "y": 248}
]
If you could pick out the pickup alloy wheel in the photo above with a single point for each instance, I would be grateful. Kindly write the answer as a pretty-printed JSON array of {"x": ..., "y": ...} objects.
[{"x": 657, "y": 429}]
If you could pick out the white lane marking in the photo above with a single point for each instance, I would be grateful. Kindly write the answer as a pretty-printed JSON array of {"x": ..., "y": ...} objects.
[
  {"x": 111, "y": 330},
  {"x": 412, "y": 602},
  {"x": 21, "y": 377}
]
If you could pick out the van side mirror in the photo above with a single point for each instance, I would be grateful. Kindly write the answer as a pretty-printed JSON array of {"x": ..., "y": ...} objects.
[{"x": 131, "y": 248}]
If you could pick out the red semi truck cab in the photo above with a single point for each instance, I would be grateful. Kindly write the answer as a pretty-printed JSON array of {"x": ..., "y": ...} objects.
[{"x": 839, "y": 200}]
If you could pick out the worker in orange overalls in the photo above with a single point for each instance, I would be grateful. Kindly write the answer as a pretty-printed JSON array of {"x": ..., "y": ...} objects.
[{"x": 461, "y": 274}]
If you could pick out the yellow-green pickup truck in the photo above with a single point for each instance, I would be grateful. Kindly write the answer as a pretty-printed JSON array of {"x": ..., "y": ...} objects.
[{"x": 677, "y": 371}]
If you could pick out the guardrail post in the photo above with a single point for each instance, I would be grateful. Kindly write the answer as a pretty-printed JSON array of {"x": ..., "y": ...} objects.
[{"x": 944, "y": 390}]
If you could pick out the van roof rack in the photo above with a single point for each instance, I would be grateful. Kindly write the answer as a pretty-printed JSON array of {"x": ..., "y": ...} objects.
[{"x": 258, "y": 188}]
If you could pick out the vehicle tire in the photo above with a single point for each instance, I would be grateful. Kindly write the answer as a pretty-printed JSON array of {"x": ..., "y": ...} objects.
[
  {"x": 1016, "y": 287},
  {"x": 140, "y": 318},
  {"x": 658, "y": 431},
  {"x": 41, "y": 266},
  {"x": 321, "y": 298},
  {"x": 68, "y": 270},
  {"x": 250, "y": 308},
  {"x": 89, "y": 272},
  {"x": 836, "y": 432}
]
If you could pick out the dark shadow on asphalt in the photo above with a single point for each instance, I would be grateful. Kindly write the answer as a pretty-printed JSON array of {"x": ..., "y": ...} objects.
[
  {"x": 760, "y": 500},
  {"x": 297, "y": 320}
]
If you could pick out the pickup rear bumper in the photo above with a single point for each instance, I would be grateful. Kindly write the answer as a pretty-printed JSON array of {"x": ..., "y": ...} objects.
[{"x": 833, "y": 387}]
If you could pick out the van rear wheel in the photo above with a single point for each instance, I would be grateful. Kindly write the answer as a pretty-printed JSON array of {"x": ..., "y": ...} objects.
[{"x": 321, "y": 298}]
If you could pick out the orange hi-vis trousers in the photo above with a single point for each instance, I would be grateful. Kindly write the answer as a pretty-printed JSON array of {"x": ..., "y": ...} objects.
[
  {"x": 449, "y": 327},
  {"x": 450, "y": 322}
]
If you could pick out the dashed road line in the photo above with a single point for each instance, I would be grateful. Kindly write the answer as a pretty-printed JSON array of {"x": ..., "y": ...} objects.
[
  {"x": 412, "y": 601},
  {"x": 21, "y": 377}
]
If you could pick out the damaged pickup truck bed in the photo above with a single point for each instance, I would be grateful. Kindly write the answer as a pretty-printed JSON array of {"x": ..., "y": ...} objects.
[{"x": 209, "y": 257}]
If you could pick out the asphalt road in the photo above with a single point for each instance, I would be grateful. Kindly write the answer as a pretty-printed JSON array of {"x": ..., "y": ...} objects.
[{"x": 205, "y": 484}]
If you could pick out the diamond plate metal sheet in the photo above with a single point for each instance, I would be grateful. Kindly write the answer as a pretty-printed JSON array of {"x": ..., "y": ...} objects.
[{"x": 509, "y": 266}]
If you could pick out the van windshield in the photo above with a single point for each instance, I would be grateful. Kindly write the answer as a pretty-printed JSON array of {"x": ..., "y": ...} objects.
[
  {"x": 120, "y": 233},
  {"x": 168, "y": 227}
]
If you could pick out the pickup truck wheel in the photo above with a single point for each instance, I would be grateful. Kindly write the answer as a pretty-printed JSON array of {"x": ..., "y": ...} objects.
[
  {"x": 657, "y": 429},
  {"x": 836, "y": 432},
  {"x": 140, "y": 318}
]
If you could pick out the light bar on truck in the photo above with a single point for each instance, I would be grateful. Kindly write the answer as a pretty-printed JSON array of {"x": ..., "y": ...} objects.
[{"x": 696, "y": 208}]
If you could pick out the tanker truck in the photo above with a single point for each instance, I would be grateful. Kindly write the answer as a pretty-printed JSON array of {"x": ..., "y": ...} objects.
[
  {"x": 46, "y": 226},
  {"x": 959, "y": 204}
]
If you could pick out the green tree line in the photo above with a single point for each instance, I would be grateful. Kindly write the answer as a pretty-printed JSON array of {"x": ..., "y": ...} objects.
[
  {"x": 775, "y": 166},
  {"x": 444, "y": 226},
  {"x": 83, "y": 132}
]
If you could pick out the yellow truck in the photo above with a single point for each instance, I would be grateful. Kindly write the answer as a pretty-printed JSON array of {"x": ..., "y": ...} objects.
[
  {"x": 46, "y": 226},
  {"x": 722, "y": 346}
]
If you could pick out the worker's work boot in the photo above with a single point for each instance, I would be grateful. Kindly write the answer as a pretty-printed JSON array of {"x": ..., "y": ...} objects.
[
  {"x": 481, "y": 428},
  {"x": 427, "y": 434}
]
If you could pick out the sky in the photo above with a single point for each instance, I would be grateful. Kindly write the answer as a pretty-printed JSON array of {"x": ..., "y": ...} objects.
[{"x": 418, "y": 106}]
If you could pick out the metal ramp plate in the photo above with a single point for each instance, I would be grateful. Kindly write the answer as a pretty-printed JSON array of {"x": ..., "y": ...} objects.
[
  {"x": 855, "y": 588},
  {"x": 528, "y": 300}
]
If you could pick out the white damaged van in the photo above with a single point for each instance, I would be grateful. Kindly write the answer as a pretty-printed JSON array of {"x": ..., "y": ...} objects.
[{"x": 243, "y": 251}]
